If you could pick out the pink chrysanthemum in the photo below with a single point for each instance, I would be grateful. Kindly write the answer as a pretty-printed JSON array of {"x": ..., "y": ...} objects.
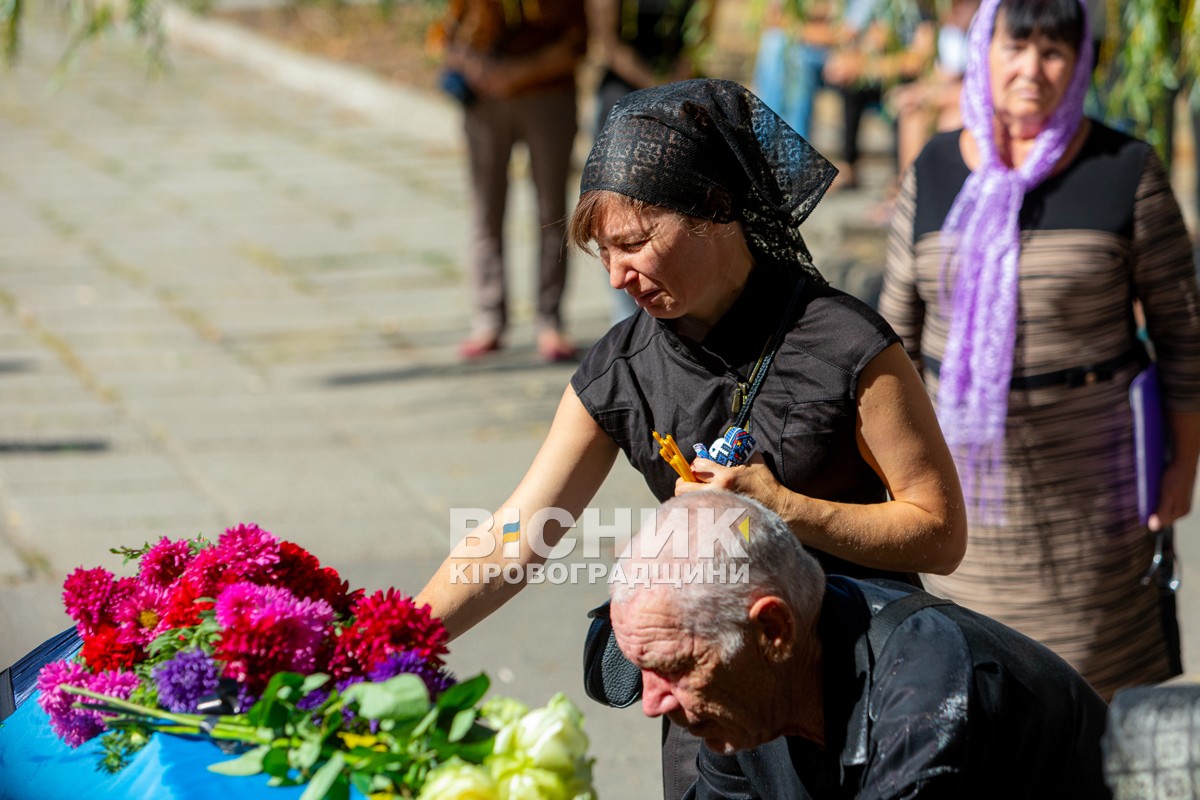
[
  {"x": 86, "y": 595},
  {"x": 243, "y": 602},
  {"x": 53, "y": 700},
  {"x": 386, "y": 623},
  {"x": 77, "y": 725},
  {"x": 267, "y": 629},
  {"x": 139, "y": 614},
  {"x": 164, "y": 562},
  {"x": 249, "y": 552}
]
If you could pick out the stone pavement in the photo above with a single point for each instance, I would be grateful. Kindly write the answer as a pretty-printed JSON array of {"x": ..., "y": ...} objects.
[{"x": 234, "y": 294}]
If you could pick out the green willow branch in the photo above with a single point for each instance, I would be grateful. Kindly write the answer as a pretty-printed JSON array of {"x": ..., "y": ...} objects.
[
  {"x": 11, "y": 12},
  {"x": 1149, "y": 55}
]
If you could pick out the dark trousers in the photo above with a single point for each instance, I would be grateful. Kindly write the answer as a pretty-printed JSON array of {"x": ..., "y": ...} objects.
[
  {"x": 855, "y": 101},
  {"x": 546, "y": 123}
]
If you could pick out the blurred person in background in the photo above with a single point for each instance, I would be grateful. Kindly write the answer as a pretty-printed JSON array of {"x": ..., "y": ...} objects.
[
  {"x": 1018, "y": 249},
  {"x": 644, "y": 43},
  {"x": 791, "y": 55},
  {"x": 930, "y": 104},
  {"x": 512, "y": 65},
  {"x": 889, "y": 42}
]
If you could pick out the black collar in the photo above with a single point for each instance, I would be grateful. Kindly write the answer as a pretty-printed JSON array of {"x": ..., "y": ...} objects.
[{"x": 735, "y": 343}]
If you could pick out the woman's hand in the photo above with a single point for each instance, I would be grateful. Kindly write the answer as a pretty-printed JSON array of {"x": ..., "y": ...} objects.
[
  {"x": 752, "y": 479},
  {"x": 1179, "y": 477},
  {"x": 845, "y": 68},
  {"x": 1175, "y": 495}
]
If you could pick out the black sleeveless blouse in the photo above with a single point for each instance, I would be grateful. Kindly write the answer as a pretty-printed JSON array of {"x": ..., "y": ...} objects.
[{"x": 642, "y": 377}]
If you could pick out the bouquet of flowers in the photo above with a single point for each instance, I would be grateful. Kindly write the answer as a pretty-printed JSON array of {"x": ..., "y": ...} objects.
[{"x": 251, "y": 643}]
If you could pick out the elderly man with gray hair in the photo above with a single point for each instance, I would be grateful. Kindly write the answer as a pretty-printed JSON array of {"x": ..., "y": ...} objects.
[{"x": 806, "y": 686}]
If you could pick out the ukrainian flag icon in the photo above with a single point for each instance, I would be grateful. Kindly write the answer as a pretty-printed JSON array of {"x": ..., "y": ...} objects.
[{"x": 512, "y": 532}]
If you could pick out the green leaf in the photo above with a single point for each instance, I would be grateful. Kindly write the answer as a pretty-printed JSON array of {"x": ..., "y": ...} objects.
[
  {"x": 400, "y": 698},
  {"x": 465, "y": 694},
  {"x": 313, "y": 682},
  {"x": 249, "y": 763},
  {"x": 274, "y": 710},
  {"x": 384, "y": 782},
  {"x": 463, "y": 721},
  {"x": 322, "y": 783},
  {"x": 307, "y": 754},
  {"x": 276, "y": 762},
  {"x": 362, "y": 782},
  {"x": 421, "y": 727},
  {"x": 474, "y": 747},
  {"x": 280, "y": 680}
]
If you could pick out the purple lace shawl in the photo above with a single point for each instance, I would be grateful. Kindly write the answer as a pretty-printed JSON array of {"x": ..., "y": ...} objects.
[{"x": 983, "y": 232}]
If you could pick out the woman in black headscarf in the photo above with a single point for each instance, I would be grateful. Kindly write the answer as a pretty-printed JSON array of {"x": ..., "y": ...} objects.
[{"x": 694, "y": 194}]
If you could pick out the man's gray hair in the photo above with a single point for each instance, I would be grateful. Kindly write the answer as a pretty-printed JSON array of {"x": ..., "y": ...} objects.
[{"x": 716, "y": 609}]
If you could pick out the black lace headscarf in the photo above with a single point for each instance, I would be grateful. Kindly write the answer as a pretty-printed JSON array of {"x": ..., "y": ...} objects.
[{"x": 711, "y": 149}]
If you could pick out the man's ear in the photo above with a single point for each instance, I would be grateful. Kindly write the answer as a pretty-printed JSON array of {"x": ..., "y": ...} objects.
[{"x": 774, "y": 627}]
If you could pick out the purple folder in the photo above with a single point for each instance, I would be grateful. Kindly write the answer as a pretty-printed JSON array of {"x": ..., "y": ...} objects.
[{"x": 1149, "y": 440}]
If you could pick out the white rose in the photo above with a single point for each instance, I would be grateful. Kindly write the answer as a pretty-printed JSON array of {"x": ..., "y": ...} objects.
[
  {"x": 552, "y": 737},
  {"x": 457, "y": 780}
]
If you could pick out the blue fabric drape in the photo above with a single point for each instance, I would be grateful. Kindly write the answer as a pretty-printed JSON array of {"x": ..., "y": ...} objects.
[{"x": 36, "y": 765}]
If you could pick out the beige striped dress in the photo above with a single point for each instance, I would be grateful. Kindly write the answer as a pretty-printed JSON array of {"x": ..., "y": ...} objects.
[{"x": 1065, "y": 564}]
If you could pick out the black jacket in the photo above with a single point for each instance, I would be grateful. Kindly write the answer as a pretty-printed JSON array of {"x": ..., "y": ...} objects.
[{"x": 957, "y": 706}]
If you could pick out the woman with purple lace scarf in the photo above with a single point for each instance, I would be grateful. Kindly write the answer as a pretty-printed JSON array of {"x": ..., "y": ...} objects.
[{"x": 1021, "y": 248}]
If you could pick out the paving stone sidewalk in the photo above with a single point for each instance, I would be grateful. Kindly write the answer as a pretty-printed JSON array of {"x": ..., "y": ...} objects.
[{"x": 224, "y": 299}]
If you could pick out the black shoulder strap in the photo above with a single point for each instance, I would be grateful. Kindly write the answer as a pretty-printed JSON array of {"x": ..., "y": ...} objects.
[
  {"x": 764, "y": 363},
  {"x": 884, "y": 624},
  {"x": 880, "y": 629}
]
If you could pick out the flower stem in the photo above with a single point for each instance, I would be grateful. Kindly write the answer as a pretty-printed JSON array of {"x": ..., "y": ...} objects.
[{"x": 181, "y": 724}]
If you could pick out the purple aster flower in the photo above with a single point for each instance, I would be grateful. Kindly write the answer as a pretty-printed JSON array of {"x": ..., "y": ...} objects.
[
  {"x": 437, "y": 680},
  {"x": 185, "y": 679},
  {"x": 346, "y": 683},
  {"x": 349, "y": 718},
  {"x": 245, "y": 698},
  {"x": 313, "y": 699}
]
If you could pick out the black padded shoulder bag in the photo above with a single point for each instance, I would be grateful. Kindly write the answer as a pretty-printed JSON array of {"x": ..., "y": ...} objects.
[{"x": 608, "y": 677}]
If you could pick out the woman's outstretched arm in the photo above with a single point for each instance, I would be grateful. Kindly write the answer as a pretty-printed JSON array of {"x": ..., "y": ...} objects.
[{"x": 566, "y": 473}]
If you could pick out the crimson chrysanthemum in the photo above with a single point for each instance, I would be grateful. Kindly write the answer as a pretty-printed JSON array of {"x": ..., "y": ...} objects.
[
  {"x": 103, "y": 649},
  {"x": 86, "y": 595},
  {"x": 385, "y": 623},
  {"x": 164, "y": 562},
  {"x": 300, "y": 571},
  {"x": 183, "y": 607},
  {"x": 202, "y": 575}
]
